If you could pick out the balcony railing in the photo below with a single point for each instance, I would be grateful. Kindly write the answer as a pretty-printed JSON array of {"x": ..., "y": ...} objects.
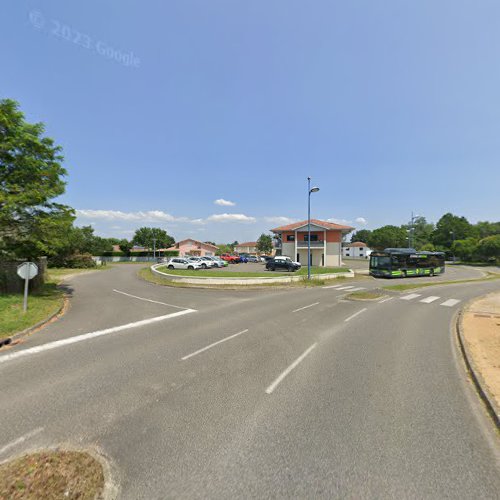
[{"x": 314, "y": 244}]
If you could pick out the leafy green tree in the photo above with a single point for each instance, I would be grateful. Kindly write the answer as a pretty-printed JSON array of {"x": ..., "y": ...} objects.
[
  {"x": 465, "y": 249},
  {"x": 264, "y": 244},
  {"x": 223, "y": 249},
  {"x": 489, "y": 248},
  {"x": 125, "y": 246},
  {"x": 449, "y": 228},
  {"x": 485, "y": 229},
  {"x": 31, "y": 176},
  {"x": 361, "y": 235},
  {"x": 144, "y": 237},
  {"x": 420, "y": 232},
  {"x": 387, "y": 237},
  {"x": 428, "y": 247}
]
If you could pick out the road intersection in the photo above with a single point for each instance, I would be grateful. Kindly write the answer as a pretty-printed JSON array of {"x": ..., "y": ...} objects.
[{"x": 267, "y": 393}]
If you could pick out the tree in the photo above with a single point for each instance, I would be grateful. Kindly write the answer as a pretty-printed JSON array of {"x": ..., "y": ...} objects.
[
  {"x": 485, "y": 229},
  {"x": 465, "y": 249},
  {"x": 489, "y": 248},
  {"x": 31, "y": 176},
  {"x": 361, "y": 235},
  {"x": 387, "y": 237},
  {"x": 264, "y": 244},
  {"x": 421, "y": 232},
  {"x": 449, "y": 228},
  {"x": 144, "y": 237},
  {"x": 125, "y": 246},
  {"x": 210, "y": 243},
  {"x": 223, "y": 249}
]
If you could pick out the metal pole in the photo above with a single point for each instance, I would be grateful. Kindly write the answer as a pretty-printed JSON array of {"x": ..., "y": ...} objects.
[
  {"x": 26, "y": 284},
  {"x": 154, "y": 248},
  {"x": 309, "y": 228}
]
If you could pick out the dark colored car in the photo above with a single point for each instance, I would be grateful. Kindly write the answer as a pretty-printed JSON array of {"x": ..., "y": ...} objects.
[{"x": 283, "y": 263}]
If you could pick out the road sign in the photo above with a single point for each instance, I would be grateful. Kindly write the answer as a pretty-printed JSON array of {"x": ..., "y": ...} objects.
[{"x": 27, "y": 270}]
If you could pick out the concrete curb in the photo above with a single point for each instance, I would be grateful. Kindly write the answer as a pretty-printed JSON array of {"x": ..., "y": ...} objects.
[
  {"x": 27, "y": 331},
  {"x": 481, "y": 387},
  {"x": 209, "y": 280}
]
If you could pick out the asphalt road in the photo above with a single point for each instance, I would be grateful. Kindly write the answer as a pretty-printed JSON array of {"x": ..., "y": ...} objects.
[{"x": 260, "y": 394}]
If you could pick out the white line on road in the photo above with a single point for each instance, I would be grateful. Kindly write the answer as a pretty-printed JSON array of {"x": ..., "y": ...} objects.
[
  {"x": 20, "y": 440},
  {"x": 411, "y": 296},
  {"x": 212, "y": 345},
  {"x": 430, "y": 299},
  {"x": 345, "y": 287},
  {"x": 357, "y": 289},
  {"x": 355, "y": 314},
  {"x": 91, "y": 335},
  {"x": 305, "y": 307},
  {"x": 148, "y": 300},
  {"x": 385, "y": 300},
  {"x": 450, "y": 302},
  {"x": 330, "y": 286},
  {"x": 275, "y": 384}
]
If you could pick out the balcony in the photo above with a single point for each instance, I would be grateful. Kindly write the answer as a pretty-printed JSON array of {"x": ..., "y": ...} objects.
[{"x": 314, "y": 244}]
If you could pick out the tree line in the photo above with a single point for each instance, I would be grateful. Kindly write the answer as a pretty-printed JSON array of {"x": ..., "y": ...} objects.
[{"x": 452, "y": 234}]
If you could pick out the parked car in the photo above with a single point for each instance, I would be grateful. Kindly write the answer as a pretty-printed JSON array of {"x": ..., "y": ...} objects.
[
  {"x": 203, "y": 263},
  {"x": 243, "y": 258},
  {"x": 218, "y": 261},
  {"x": 210, "y": 262},
  {"x": 282, "y": 262},
  {"x": 252, "y": 258},
  {"x": 232, "y": 259},
  {"x": 181, "y": 263},
  {"x": 265, "y": 258}
]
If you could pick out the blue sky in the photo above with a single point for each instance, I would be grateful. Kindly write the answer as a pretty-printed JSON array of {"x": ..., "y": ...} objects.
[{"x": 163, "y": 107}]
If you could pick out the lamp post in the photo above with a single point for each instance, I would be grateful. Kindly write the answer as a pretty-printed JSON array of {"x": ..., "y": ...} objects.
[
  {"x": 154, "y": 248},
  {"x": 452, "y": 242},
  {"x": 411, "y": 231},
  {"x": 310, "y": 190}
]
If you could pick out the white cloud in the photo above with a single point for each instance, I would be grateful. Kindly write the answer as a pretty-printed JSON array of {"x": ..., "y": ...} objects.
[
  {"x": 279, "y": 220},
  {"x": 362, "y": 221},
  {"x": 224, "y": 203},
  {"x": 339, "y": 221},
  {"x": 150, "y": 215},
  {"x": 231, "y": 218}
]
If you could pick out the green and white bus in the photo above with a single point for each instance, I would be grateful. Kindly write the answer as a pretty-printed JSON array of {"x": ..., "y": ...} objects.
[{"x": 405, "y": 262}]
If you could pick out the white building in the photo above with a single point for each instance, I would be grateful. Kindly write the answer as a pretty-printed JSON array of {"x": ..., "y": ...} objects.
[{"x": 356, "y": 250}]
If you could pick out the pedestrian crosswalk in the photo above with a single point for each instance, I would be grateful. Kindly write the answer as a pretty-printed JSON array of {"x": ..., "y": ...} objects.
[{"x": 431, "y": 299}]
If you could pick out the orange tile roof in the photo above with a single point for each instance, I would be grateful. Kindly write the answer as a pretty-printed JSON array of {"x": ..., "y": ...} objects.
[
  {"x": 316, "y": 222},
  {"x": 357, "y": 244},
  {"x": 247, "y": 244}
]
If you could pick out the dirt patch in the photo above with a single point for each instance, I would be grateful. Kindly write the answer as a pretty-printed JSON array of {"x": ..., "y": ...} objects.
[
  {"x": 374, "y": 294},
  {"x": 51, "y": 475},
  {"x": 481, "y": 331}
]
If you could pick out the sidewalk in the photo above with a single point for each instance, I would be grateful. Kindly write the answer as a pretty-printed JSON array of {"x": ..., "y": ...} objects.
[{"x": 481, "y": 336}]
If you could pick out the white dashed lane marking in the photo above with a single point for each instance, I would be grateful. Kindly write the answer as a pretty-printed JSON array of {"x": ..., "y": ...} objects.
[{"x": 450, "y": 302}]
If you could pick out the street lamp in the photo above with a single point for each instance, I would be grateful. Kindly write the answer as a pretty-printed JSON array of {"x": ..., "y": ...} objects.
[
  {"x": 452, "y": 241},
  {"x": 310, "y": 190},
  {"x": 411, "y": 231}
]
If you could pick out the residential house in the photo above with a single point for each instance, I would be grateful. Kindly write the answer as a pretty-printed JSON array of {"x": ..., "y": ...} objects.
[
  {"x": 356, "y": 250},
  {"x": 194, "y": 247},
  {"x": 246, "y": 247},
  {"x": 326, "y": 241}
]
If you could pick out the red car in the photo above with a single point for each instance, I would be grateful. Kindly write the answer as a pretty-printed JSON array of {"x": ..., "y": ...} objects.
[{"x": 231, "y": 259}]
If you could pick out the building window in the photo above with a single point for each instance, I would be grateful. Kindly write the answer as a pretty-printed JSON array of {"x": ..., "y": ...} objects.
[
  {"x": 314, "y": 237},
  {"x": 290, "y": 237}
]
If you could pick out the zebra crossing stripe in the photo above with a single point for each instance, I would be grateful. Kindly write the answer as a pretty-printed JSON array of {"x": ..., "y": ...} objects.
[
  {"x": 450, "y": 302},
  {"x": 411, "y": 296},
  {"x": 345, "y": 288},
  {"x": 430, "y": 299}
]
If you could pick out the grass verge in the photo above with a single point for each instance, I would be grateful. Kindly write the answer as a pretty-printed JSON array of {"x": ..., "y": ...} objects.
[
  {"x": 368, "y": 295},
  {"x": 411, "y": 286},
  {"x": 241, "y": 274},
  {"x": 52, "y": 475}
]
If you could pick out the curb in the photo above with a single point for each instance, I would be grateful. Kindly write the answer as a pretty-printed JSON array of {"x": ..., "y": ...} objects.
[
  {"x": 489, "y": 402},
  {"x": 37, "y": 326}
]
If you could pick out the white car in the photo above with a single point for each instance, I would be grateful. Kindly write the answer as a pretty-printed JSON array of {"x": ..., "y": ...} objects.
[
  {"x": 181, "y": 263},
  {"x": 217, "y": 261},
  {"x": 205, "y": 264}
]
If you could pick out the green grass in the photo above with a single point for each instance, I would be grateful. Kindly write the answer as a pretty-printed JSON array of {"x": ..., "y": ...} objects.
[
  {"x": 241, "y": 274},
  {"x": 41, "y": 305},
  {"x": 411, "y": 286},
  {"x": 57, "y": 274}
]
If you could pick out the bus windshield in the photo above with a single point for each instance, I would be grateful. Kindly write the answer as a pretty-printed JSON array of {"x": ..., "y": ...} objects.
[{"x": 380, "y": 262}]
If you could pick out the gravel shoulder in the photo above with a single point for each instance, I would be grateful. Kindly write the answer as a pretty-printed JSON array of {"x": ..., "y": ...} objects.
[{"x": 481, "y": 332}]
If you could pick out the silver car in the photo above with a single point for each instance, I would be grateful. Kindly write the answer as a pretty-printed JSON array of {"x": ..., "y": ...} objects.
[{"x": 204, "y": 262}]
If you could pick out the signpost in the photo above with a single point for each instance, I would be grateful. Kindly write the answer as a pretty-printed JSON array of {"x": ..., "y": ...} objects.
[{"x": 26, "y": 271}]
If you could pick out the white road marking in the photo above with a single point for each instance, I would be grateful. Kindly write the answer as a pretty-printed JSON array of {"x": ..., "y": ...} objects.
[
  {"x": 148, "y": 300},
  {"x": 355, "y": 314},
  {"x": 411, "y": 296},
  {"x": 430, "y": 299},
  {"x": 20, "y": 440},
  {"x": 357, "y": 289},
  {"x": 386, "y": 300},
  {"x": 283, "y": 374},
  {"x": 305, "y": 307},
  {"x": 91, "y": 335},
  {"x": 345, "y": 287},
  {"x": 212, "y": 345},
  {"x": 450, "y": 302},
  {"x": 330, "y": 286}
]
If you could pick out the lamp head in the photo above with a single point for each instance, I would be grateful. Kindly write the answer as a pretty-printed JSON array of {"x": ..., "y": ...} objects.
[{"x": 314, "y": 190}]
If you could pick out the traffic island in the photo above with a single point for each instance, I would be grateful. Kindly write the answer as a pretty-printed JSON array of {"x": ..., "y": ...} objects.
[
  {"x": 479, "y": 336},
  {"x": 374, "y": 294},
  {"x": 54, "y": 474}
]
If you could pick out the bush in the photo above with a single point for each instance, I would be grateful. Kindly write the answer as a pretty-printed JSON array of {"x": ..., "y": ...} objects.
[{"x": 75, "y": 261}]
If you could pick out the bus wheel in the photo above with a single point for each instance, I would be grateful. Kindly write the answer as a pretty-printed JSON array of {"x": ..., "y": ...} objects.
[{"x": 403, "y": 273}]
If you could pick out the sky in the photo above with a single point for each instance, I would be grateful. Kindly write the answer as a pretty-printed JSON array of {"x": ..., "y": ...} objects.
[{"x": 205, "y": 117}]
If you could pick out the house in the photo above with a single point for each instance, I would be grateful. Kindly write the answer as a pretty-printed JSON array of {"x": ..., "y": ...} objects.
[
  {"x": 194, "y": 247},
  {"x": 356, "y": 250},
  {"x": 246, "y": 247},
  {"x": 326, "y": 241}
]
